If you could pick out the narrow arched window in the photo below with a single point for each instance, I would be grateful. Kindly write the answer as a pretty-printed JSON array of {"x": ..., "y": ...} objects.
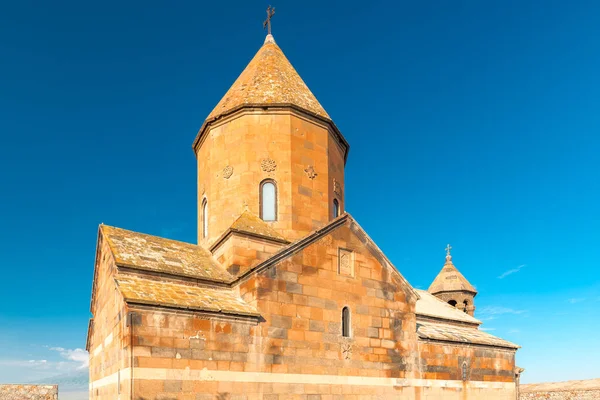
[
  {"x": 336, "y": 208},
  {"x": 204, "y": 218},
  {"x": 466, "y": 306},
  {"x": 268, "y": 200},
  {"x": 464, "y": 371},
  {"x": 346, "y": 322},
  {"x": 452, "y": 303}
]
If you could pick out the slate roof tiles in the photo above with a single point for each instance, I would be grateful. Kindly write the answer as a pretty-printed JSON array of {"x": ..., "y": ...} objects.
[
  {"x": 178, "y": 295},
  {"x": 458, "y": 334},
  {"x": 152, "y": 253},
  {"x": 430, "y": 306},
  {"x": 269, "y": 79}
]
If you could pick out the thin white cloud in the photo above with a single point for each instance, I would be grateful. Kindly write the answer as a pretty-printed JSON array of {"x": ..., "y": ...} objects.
[
  {"x": 511, "y": 271},
  {"x": 575, "y": 300},
  {"x": 492, "y": 312},
  {"x": 79, "y": 356}
]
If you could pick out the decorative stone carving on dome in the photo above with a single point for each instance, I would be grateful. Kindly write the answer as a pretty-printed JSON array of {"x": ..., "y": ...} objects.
[
  {"x": 268, "y": 165},
  {"x": 310, "y": 172},
  {"x": 337, "y": 187},
  {"x": 227, "y": 172}
]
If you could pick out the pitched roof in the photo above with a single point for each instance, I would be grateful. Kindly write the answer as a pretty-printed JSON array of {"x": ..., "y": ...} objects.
[
  {"x": 152, "y": 253},
  {"x": 453, "y": 333},
  {"x": 179, "y": 295},
  {"x": 269, "y": 79},
  {"x": 450, "y": 280},
  {"x": 430, "y": 306},
  {"x": 250, "y": 223},
  {"x": 355, "y": 228}
]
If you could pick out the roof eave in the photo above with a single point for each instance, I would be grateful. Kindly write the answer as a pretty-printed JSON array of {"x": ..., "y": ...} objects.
[
  {"x": 232, "y": 231},
  {"x": 226, "y": 313},
  {"x": 507, "y": 346},
  {"x": 436, "y": 318},
  {"x": 473, "y": 292},
  {"x": 197, "y": 279}
]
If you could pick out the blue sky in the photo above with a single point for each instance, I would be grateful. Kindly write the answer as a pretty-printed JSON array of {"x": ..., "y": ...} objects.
[{"x": 474, "y": 123}]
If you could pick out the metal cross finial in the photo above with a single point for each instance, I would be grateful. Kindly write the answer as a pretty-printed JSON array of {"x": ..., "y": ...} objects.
[
  {"x": 267, "y": 23},
  {"x": 448, "y": 248}
]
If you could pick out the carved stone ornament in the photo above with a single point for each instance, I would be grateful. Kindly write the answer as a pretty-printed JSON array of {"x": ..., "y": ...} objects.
[
  {"x": 310, "y": 172},
  {"x": 337, "y": 187},
  {"x": 227, "y": 172},
  {"x": 345, "y": 262},
  {"x": 202, "y": 188},
  {"x": 268, "y": 165},
  {"x": 346, "y": 351}
]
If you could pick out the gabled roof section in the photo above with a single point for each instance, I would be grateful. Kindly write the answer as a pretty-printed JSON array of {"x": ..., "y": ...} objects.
[
  {"x": 269, "y": 79},
  {"x": 458, "y": 334},
  {"x": 430, "y": 306},
  {"x": 155, "y": 254},
  {"x": 355, "y": 228},
  {"x": 138, "y": 290},
  {"x": 250, "y": 223},
  {"x": 450, "y": 280}
]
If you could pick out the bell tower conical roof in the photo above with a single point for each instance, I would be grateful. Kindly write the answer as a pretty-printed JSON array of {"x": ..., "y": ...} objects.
[
  {"x": 450, "y": 279},
  {"x": 269, "y": 79}
]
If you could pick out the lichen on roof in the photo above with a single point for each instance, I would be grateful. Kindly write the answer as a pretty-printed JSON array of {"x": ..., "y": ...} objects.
[
  {"x": 179, "y": 295},
  {"x": 269, "y": 79},
  {"x": 458, "y": 334},
  {"x": 430, "y": 306},
  {"x": 152, "y": 253},
  {"x": 248, "y": 222}
]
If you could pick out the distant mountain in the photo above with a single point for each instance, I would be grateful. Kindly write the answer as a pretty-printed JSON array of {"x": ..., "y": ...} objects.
[{"x": 73, "y": 381}]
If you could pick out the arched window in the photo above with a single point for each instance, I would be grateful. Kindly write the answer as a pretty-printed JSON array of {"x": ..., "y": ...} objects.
[
  {"x": 452, "y": 303},
  {"x": 345, "y": 322},
  {"x": 465, "y": 305},
  {"x": 464, "y": 371},
  {"x": 268, "y": 200},
  {"x": 204, "y": 218},
  {"x": 336, "y": 208}
]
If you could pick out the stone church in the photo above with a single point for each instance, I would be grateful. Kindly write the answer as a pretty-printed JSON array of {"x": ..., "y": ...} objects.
[{"x": 284, "y": 296}]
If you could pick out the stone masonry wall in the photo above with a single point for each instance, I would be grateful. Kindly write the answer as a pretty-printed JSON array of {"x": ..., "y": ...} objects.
[
  {"x": 285, "y": 146},
  {"x": 445, "y": 361},
  {"x": 108, "y": 344},
  {"x": 297, "y": 351},
  {"x": 29, "y": 392}
]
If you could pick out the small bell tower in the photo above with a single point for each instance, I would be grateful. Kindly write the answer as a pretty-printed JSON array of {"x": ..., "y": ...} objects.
[{"x": 452, "y": 287}]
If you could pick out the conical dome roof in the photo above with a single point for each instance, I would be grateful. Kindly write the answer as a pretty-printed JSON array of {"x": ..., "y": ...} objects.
[
  {"x": 269, "y": 79},
  {"x": 450, "y": 280}
]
